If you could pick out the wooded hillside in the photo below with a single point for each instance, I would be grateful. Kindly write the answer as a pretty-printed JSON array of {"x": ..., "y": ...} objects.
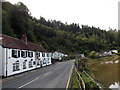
[{"x": 55, "y": 35}]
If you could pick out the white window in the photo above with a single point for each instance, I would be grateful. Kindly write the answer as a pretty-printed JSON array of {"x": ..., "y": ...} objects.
[
  {"x": 43, "y": 54},
  {"x": 47, "y": 54},
  {"x": 23, "y": 54},
  {"x": 26, "y": 52},
  {"x": 44, "y": 61},
  {"x": 24, "y": 64},
  {"x": 34, "y": 63},
  {"x": 37, "y": 55},
  {"x": 30, "y": 54},
  {"x": 48, "y": 60},
  {"x": 16, "y": 66},
  {"x": 30, "y": 63},
  {"x": 40, "y": 62},
  {"x": 15, "y": 53},
  {"x": 18, "y": 53}
]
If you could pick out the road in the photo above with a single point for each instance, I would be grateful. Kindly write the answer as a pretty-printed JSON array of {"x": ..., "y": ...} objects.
[{"x": 53, "y": 76}]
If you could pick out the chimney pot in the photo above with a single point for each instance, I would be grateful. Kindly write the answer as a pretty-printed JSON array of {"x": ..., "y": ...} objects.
[{"x": 24, "y": 38}]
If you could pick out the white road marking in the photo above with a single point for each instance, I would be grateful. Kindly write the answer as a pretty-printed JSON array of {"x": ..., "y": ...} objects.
[
  {"x": 68, "y": 82},
  {"x": 47, "y": 73},
  {"x": 28, "y": 83}
]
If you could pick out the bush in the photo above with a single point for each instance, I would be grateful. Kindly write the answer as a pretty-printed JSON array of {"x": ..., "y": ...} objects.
[
  {"x": 72, "y": 56},
  {"x": 69, "y": 57},
  {"x": 93, "y": 55}
]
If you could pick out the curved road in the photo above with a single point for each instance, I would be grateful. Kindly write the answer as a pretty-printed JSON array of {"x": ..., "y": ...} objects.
[{"x": 53, "y": 76}]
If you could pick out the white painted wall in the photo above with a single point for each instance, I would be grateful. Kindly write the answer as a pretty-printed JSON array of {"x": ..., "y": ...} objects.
[
  {"x": 7, "y": 62},
  {"x": 4, "y": 61},
  {"x": 12, "y": 60},
  {"x": 57, "y": 55},
  {"x": 1, "y": 60}
]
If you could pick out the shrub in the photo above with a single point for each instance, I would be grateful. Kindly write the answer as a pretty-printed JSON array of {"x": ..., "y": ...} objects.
[
  {"x": 72, "y": 56},
  {"x": 93, "y": 55}
]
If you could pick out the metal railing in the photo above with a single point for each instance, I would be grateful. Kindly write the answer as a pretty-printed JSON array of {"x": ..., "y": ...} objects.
[{"x": 80, "y": 80}]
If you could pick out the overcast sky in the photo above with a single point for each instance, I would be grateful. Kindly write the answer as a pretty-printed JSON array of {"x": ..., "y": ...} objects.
[{"x": 98, "y": 13}]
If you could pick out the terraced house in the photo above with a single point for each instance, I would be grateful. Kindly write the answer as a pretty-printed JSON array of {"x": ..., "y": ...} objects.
[{"x": 19, "y": 55}]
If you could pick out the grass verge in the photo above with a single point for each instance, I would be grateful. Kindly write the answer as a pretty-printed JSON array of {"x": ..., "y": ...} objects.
[{"x": 75, "y": 83}]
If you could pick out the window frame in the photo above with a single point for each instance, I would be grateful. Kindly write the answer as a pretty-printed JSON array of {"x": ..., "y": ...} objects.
[
  {"x": 25, "y": 64},
  {"x": 30, "y": 54},
  {"x": 23, "y": 54},
  {"x": 14, "y": 53},
  {"x": 16, "y": 66},
  {"x": 30, "y": 65},
  {"x": 43, "y": 54}
]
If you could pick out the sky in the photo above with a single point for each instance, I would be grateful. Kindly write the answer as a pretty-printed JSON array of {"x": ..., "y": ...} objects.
[{"x": 98, "y": 13}]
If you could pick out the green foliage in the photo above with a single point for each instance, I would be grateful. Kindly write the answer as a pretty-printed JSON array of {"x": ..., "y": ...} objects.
[
  {"x": 55, "y": 35},
  {"x": 72, "y": 56},
  {"x": 75, "y": 83},
  {"x": 93, "y": 55}
]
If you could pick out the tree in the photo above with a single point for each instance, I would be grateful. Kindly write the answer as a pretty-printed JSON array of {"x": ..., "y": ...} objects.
[{"x": 55, "y": 35}]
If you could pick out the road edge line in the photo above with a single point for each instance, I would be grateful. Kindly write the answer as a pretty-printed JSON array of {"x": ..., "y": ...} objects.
[{"x": 68, "y": 82}]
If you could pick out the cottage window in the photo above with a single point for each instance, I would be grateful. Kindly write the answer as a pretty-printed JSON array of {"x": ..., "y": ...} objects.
[
  {"x": 48, "y": 60},
  {"x": 23, "y": 54},
  {"x": 43, "y": 54},
  {"x": 30, "y": 54},
  {"x": 30, "y": 63},
  {"x": 14, "y": 53},
  {"x": 40, "y": 62},
  {"x": 44, "y": 61},
  {"x": 47, "y": 54},
  {"x": 16, "y": 66},
  {"x": 34, "y": 63},
  {"x": 18, "y": 53},
  {"x": 39, "y": 54},
  {"x": 26, "y": 53},
  {"x": 24, "y": 64}
]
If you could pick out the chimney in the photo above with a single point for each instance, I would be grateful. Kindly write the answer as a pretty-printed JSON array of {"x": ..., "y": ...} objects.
[{"x": 24, "y": 38}]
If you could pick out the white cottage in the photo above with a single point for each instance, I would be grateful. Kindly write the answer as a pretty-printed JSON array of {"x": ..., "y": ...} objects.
[
  {"x": 18, "y": 56},
  {"x": 58, "y": 55}
]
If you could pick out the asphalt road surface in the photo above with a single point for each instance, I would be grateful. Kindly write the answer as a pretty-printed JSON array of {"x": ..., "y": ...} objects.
[{"x": 53, "y": 76}]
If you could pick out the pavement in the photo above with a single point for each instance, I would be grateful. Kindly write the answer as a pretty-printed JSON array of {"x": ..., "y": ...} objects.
[{"x": 54, "y": 76}]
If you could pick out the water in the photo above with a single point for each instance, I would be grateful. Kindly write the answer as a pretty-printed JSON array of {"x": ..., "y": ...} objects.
[{"x": 106, "y": 72}]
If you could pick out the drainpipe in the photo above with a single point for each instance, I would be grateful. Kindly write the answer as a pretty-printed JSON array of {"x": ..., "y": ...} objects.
[{"x": 6, "y": 62}]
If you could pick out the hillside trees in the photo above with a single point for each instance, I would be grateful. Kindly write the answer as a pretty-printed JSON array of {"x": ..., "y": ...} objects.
[{"x": 55, "y": 35}]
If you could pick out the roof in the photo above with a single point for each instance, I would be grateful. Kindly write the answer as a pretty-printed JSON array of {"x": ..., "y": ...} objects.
[{"x": 11, "y": 42}]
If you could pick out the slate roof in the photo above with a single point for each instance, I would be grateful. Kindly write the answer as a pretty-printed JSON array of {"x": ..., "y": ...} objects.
[{"x": 11, "y": 42}]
